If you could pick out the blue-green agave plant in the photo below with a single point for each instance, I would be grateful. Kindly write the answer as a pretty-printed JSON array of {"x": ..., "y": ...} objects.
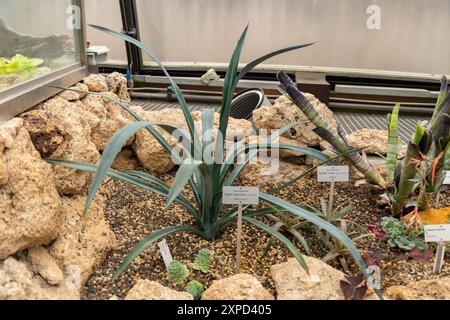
[{"x": 205, "y": 180}]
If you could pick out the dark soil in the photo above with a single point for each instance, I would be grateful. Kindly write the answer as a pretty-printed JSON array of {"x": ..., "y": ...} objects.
[{"x": 135, "y": 213}]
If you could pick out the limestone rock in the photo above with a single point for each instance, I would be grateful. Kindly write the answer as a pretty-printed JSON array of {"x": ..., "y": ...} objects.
[
  {"x": 110, "y": 119},
  {"x": 85, "y": 239},
  {"x": 29, "y": 203},
  {"x": 69, "y": 95},
  {"x": 261, "y": 174},
  {"x": 96, "y": 83},
  {"x": 18, "y": 282},
  {"x": 293, "y": 283},
  {"x": 82, "y": 87},
  {"x": 374, "y": 140},
  {"x": 148, "y": 150},
  {"x": 62, "y": 130},
  {"x": 238, "y": 287},
  {"x": 284, "y": 112},
  {"x": 436, "y": 289},
  {"x": 209, "y": 76},
  {"x": 117, "y": 84},
  {"x": 150, "y": 290},
  {"x": 44, "y": 265},
  {"x": 126, "y": 161}
]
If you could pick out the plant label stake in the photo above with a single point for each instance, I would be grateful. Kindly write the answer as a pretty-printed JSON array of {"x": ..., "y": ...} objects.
[
  {"x": 240, "y": 196},
  {"x": 165, "y": 253},
  {"x": 438, "y": 233},
  {"x": 333, "y": 174},
  {"x": 447, "y": 177}
]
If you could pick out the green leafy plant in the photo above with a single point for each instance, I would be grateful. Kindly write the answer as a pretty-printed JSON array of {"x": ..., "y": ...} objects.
[
  {"x": 399, "y": 234},
  {"x": 177, "y": 272},
  {"x": 393, "y": 142},
  {"x": 333, "y": 135},
  {"x": 20, "y": 65},
  {"x": 202, "y": 261},
  {"x": 206, "y": 180},
  {"x": 196, "y": 289},
  {"x": 427, "y": 154},
  {"x": 334, "y": 248}
]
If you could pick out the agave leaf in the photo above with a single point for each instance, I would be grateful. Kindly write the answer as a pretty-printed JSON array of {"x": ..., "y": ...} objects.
[
  {"x": 184, "y": 106},
  {"x": 249, "y": 67},
  {"x": 145, "y": 243},
  {"x": 110, "y": 153},
  {"x": 207, "y": 127},
  {"x": 184, "y": 173},
  {"x": 230, "y": 86},
  {"x": 322, "y": 224},
  {"x": 292, "y": 248},
  {"x": 393, "y": 140},
  {"x": 140, "y": 180}
]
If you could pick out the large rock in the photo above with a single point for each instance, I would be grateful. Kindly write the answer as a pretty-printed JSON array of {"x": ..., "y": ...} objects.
[
  {"x": 436, "y": 289},
  {"x": 284, "y": 112},
  {"x": 261, "y": 174},
  {"x": 117, "y": 84},
  {"x": 149, "y": 151},
  {"x": 374, "y": 141},
  {"x": 85, "y": 239},
  {"x": 110, "y": 118},
  {"x": 44, "y": 265},
  {"x": 150, "y": 290},
  {"x": 62, "y": 130},
  {"x": 19, "y": 282},
  {"x": 96, "y": 83},
  {"x": 293, "y": 283},
  {"x": 29, "y": 203},
  {"x": 238, "y": 287}
]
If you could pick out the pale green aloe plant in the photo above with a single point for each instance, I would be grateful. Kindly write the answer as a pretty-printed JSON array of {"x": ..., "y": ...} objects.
[{"x": 205, "y": 180}]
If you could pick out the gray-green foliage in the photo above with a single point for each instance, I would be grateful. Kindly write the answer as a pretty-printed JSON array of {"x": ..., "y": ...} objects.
[
  {"x": 398, "y": 234},
  {"x": 177, "y": 272},
  {"x": 205, "y": 180},
  {"x": 202, "y": 261},
  {"x": 195, "y": 288}
]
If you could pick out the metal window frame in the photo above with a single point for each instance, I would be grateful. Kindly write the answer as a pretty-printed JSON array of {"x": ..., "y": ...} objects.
[{"x": 23, "y": 96}]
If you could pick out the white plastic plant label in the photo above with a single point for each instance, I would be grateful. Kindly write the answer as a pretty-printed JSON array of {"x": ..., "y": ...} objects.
[
  {"x": 165, "y": 253},
  {"x": 333, "y": 174},
  {"x": 241, "y": 195},
  {"x": 447, "y": 177},
  {"x": 437, "y": 232}
]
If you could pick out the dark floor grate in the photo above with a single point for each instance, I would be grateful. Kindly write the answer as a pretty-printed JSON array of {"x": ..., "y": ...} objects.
[{"x": 351, "y": 121}]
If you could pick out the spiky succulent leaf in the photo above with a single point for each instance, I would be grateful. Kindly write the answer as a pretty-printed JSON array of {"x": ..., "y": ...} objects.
[
  {"x": 177, "y": 272},
  {"x": 393, "y": 141}
]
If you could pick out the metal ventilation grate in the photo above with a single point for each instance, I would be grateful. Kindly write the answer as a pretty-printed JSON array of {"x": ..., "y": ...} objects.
[{"x": 246, "y": 102}]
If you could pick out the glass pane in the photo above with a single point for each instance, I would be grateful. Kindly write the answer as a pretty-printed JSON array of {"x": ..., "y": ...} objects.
[
  {"x": 95, "y": 14},
  {"x": 36, "y": 38},
  {"x": 410, "y": 38}
]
